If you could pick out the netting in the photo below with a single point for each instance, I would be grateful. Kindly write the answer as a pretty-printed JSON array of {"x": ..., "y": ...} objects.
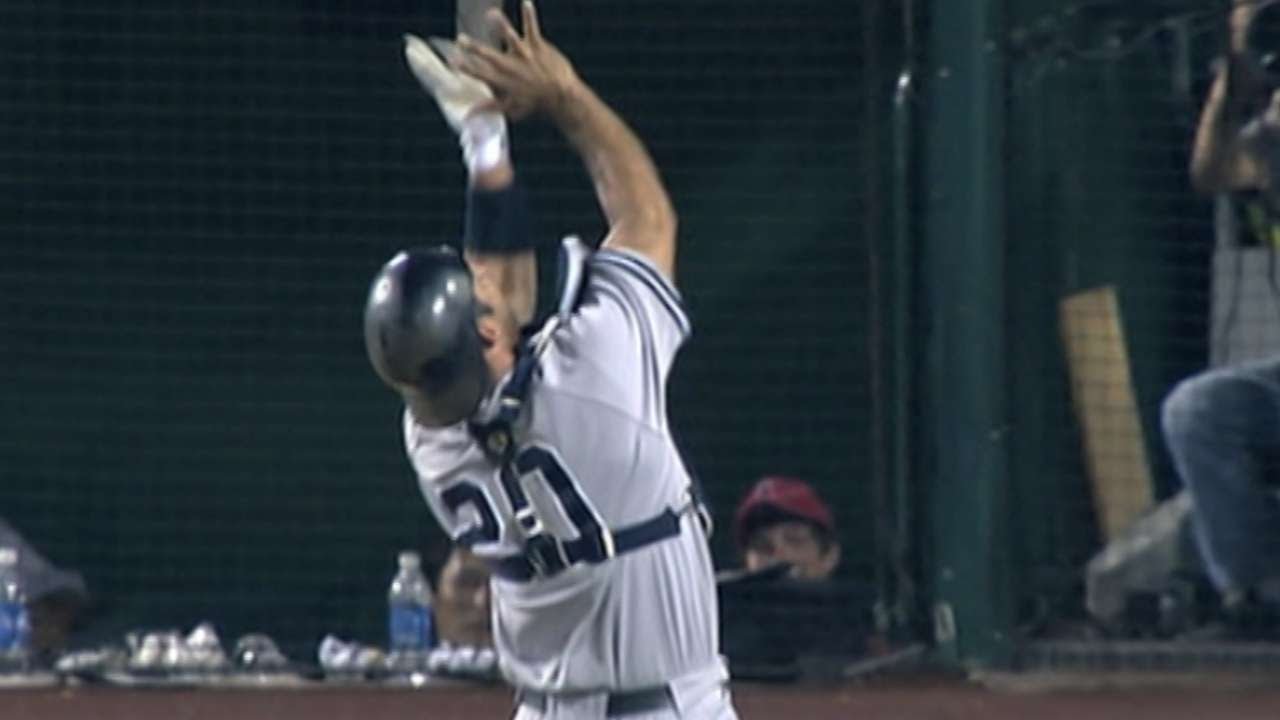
[
  {"x": 1124, "y": 283},
  {"x": 196, "y": 195}
]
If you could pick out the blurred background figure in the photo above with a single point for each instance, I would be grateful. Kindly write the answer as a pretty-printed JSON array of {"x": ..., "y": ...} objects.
[
  {"x": 462, "y": 601},
  {"x": 1222, "y": 425},
  {"x": 56, "y": 598},
  {"x": 783, "y": 520},
  {"x": 784, "y": 616}
]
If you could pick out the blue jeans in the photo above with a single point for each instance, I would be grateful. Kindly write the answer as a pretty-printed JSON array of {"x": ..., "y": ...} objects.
[{"x": 1222, "y": 427}]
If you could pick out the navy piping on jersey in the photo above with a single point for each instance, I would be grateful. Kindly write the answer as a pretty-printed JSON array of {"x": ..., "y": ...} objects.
[
  {"x": 523, "y": 568},
  {"x": 654, "y": 377},
  {"x": 650, "y": 277}
]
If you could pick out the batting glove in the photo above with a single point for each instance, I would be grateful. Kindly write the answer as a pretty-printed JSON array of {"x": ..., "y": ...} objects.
[{"x": 482, "y": 133}]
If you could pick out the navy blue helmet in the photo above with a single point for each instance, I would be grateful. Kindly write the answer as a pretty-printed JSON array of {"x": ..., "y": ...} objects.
[{"x": 421, "y": 336}]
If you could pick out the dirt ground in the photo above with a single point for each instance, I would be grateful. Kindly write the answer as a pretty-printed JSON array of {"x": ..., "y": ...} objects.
[{"x": 900, "y": 699}]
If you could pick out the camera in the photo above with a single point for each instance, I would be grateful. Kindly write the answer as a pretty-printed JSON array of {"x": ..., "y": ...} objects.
[{"x": 1263, "y": 41}]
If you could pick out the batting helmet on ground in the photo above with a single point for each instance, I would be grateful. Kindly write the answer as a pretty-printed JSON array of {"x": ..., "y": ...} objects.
[{"x": 421, "y": 336}]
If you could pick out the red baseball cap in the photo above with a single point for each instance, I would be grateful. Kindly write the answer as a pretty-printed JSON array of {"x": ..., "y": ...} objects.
[{"x": 780, "y": 497}]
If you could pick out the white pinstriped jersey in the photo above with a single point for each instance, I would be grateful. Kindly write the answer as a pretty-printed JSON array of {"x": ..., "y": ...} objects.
[{"x": 596, "y": 414}]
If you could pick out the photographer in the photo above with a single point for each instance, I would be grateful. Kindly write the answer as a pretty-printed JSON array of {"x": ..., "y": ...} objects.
[
  {"x": 1222, "y": 426},
  {"x": 1239, "y": 131}
]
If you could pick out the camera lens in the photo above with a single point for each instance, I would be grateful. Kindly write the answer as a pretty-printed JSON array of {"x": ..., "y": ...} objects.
[{"x": 1264, "y": 39}]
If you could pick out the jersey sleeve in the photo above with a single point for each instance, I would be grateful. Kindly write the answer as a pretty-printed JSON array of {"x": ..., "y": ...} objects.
[
  {"x": 647, "y": 295},
  {"x": 436, "y": 453},
  {"x": 622, "y": 339},
  {"x": 440, "y": 457}
]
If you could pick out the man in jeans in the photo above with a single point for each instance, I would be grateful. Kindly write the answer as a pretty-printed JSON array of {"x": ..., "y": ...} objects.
[{"x": 1222, "y": 426}]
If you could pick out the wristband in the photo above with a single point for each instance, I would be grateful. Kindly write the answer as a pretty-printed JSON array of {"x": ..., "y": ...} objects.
[{"x": 498, "y": 220}]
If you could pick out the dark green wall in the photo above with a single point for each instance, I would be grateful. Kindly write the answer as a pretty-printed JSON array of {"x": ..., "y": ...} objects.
[
  {"x": 1055, "y": 139},
  {"x": 1097, "y": 152}
]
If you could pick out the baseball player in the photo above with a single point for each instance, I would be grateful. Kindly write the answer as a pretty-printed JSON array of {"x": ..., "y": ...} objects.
[{"x": 550, "y": 456}]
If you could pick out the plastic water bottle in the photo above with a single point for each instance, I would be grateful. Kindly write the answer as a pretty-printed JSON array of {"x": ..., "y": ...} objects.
[
  {"x": 410, "y": 620},
  {"x": 15, "y": 622}
]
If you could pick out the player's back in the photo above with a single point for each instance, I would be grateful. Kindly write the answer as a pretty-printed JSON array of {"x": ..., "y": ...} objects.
[{"x": 635, "y": 605}]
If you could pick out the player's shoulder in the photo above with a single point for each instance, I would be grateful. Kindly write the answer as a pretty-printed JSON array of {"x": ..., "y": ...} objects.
[
  {"x": 619, "y": 262},
  {"x": 436, "y": 451},
  {"x": 629, "y": 278}
]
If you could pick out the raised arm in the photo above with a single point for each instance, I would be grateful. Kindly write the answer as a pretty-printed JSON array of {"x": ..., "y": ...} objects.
[
  {"x": 627, "y": 184},
  {"x": 1223, "y": 157},
  {"x": 532, "y": 75},
  {"x": 498, "y": 242}
]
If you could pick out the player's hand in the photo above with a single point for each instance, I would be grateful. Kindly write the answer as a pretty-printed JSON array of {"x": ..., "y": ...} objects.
[
  {"x": 530, "y": 75},
  {"x": 457, "y": 94}
]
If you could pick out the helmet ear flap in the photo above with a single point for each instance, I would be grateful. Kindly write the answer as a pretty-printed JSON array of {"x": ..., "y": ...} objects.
[{"x": 421, "y": 336}]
